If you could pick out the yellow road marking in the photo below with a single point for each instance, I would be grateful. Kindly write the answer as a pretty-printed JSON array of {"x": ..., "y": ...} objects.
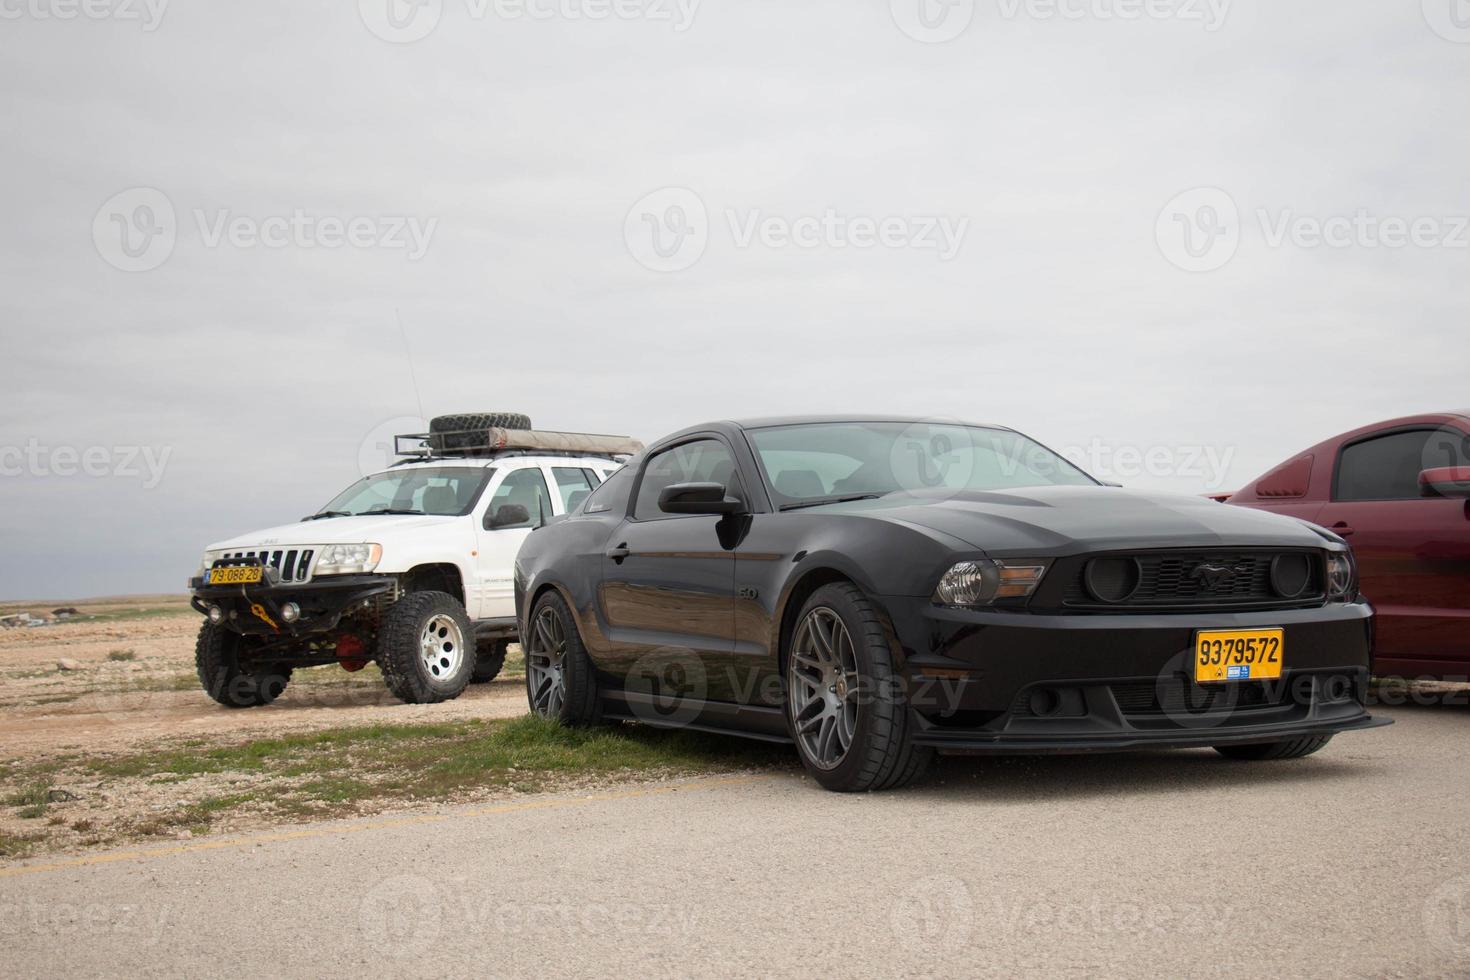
[{"x": 386, "y": 824}]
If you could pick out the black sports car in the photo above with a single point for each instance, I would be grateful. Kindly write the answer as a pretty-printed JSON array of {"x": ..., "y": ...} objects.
[{"x": 876, "y": 590}]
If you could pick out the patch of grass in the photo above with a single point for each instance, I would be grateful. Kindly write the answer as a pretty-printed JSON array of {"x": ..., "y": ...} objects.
[
  {"x": 121, "y": 656},
  {"x": 16, "y": 845},
  {"x": 36, "y": 794}
]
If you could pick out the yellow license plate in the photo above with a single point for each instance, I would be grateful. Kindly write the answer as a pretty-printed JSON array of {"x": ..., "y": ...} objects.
[
  {"x": 1238, "y": 655},
  {"x": 243, "y": 575}
]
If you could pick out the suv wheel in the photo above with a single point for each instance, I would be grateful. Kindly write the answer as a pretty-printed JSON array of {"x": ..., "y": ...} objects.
[
  {"x": 426, "y": 648},
  {"x": 217, "y": 659},
  {"x": 1265, "y": 751},
  {"x": 847, "y": 713},
  {"x": 489, "y": 659},
  {"x": 560, "y": 683}
]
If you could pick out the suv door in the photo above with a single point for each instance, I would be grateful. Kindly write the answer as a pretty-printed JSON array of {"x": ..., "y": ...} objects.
[
  {"x": 667, "y": 580},
  {"x": 498, "y": 540},
  {"x": 1413, "y": 552}
]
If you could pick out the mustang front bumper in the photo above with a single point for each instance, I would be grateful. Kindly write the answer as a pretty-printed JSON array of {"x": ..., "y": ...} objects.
[{"x": 1016, "y": 682}]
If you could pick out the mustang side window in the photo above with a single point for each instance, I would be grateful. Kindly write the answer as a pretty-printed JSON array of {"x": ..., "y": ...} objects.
[
  {"x": 705, "y": 461},
  {"x": 612, "y": 494}
]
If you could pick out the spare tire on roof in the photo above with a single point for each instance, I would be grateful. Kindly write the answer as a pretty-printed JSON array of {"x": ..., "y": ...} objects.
[{"x": 467, "y": 430}]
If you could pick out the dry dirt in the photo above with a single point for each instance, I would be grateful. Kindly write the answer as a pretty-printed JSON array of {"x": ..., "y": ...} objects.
[{"x": 134, "y": 686}]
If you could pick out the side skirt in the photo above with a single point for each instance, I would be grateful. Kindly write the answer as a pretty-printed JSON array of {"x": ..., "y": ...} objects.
[{"x": 720, "y": 717}]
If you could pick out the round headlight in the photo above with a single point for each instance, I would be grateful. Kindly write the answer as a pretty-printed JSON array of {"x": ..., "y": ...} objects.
[
  {"x": 1290, "y": 574},
  {"x": 1112, "y": 579}
]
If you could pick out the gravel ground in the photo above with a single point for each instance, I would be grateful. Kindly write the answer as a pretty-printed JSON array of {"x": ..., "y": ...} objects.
[{"x": 1348, "y": 863}]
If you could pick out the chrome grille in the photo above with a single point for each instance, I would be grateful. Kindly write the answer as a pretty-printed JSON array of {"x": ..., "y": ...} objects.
[{"x": 293, "y": 564}]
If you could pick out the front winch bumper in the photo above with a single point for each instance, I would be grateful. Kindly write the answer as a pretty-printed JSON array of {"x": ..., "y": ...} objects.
[{"x": 257, "y": 608}]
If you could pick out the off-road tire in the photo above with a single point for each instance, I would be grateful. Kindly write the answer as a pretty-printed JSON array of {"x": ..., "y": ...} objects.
[
  {"x": 467, "y": 430},
  {"x": 489, "y": 659},
  {"x": 400, "y": 649},
  {"x": 217, "y": 659},
  {"x": 882, "y": 754},
  {"x": 579, "y": 706},
  {"x": 1266, "y": 751}
]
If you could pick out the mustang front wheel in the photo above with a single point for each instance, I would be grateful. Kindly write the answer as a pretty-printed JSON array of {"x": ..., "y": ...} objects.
[
  {"x": 560, "y": 684},
  {"x": 847, "y": 713}
]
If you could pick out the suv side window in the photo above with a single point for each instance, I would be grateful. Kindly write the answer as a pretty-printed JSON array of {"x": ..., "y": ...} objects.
[
  {"x": 526, "y": 487},
  {"x": 569, "y": 481},
  {"x": 612, "y": 495},
  {"x": 1382, "y": 467},
  {"x": 703, "y": 461}
]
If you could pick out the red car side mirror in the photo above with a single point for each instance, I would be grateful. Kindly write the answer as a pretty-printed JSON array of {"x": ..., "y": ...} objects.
[{"x": 1445, "y": 481}]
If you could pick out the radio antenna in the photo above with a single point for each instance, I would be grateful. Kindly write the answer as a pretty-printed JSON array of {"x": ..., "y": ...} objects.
[{"x": 408, "y": 351}]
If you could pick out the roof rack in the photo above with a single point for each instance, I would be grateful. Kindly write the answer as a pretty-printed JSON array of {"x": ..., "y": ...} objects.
[{"x": 492, "y": 442}]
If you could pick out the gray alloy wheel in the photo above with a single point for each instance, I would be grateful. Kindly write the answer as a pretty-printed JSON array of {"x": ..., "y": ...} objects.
[
  {"x": 546, "y": 654},
  {"x": 824, "y": 687}
]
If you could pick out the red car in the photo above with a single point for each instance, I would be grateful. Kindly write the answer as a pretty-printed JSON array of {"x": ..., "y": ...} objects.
[{"x": 1399, "y": 492}]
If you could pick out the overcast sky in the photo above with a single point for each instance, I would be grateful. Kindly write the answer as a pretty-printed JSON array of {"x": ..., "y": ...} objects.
[{"x": 1092, "y": 220}]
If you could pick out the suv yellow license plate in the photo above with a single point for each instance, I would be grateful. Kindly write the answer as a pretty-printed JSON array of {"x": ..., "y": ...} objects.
[
  {"x": 1238, "y": 655},
  {"x": 243, "y": 575}
]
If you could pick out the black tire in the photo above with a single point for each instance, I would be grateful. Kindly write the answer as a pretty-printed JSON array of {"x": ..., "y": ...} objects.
[
  {"x": 881, "y": 754},
  {"x": 1266, "y": 751},
  {"x": 217, "y": 659},
  {"x": 578, "y": 705},
  {"x": 403, "y": 654},
  {"x": 490, "y": 658},
  {"x": 467, "y": 430}
]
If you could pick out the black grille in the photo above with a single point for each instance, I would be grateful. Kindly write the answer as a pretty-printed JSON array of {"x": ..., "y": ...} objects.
[
  {"x": 1180, "y": 695},
  {"x": 294, "y": 566},
  {"x": 1203, "y": 579}
]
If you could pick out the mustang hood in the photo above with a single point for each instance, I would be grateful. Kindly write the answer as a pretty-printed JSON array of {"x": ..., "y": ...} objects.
[
  {"x": 332, "y": 530},
  {"x": 1066, "y": 520}
]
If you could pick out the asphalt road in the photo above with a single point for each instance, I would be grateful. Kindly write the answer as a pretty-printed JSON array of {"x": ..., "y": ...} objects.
[{"x": 1353, "y": 862}]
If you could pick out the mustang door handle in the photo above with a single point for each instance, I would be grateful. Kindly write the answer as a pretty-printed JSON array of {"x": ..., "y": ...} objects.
[
  {"x": 619, "y": 553},
  {"x": 1342, "y": 528}
]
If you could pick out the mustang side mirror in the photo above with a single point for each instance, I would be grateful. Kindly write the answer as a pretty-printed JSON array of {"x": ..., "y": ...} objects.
[
  {"x": 509, "y": 515},
  {"x": 698, "y": 498},
  {"x": 1445, "y": 481}
]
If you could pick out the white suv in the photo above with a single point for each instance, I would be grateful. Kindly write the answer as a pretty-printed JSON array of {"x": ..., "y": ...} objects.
[{"x": 410, "y": 567}]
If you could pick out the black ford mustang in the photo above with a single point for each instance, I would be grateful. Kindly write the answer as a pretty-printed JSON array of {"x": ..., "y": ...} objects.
[{"x": 876, "y": 590}]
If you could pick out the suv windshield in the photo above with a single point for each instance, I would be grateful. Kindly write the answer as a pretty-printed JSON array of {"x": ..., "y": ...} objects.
[
  {"x": 446, "y": 491},
  {"x": 822, "y": 460}
]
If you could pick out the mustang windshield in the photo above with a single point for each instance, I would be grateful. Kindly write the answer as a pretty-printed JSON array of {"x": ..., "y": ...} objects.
[
  {"x": 842, "y": 459},
  {"x": 447, "y": 491}
]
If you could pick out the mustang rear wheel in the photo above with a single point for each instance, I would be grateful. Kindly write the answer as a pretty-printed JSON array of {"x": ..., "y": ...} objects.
[
  {"x": 845, "y": 706},
  {"x": 1262, "y": 751},
  {"x": 560, "y": 683}
]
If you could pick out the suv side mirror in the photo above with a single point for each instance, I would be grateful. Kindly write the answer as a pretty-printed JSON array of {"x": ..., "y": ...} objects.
[
  {"x": 698, "y": 498},
  {"x": 1445, "y": 481},
  {"x": 508, "y": 515}
]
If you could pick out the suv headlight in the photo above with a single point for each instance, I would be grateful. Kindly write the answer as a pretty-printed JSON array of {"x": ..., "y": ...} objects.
[
  {"x": 980, "y": 581},
  {"x": 346, "y": 559},
  {"x": 1342, "y": 577}
]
